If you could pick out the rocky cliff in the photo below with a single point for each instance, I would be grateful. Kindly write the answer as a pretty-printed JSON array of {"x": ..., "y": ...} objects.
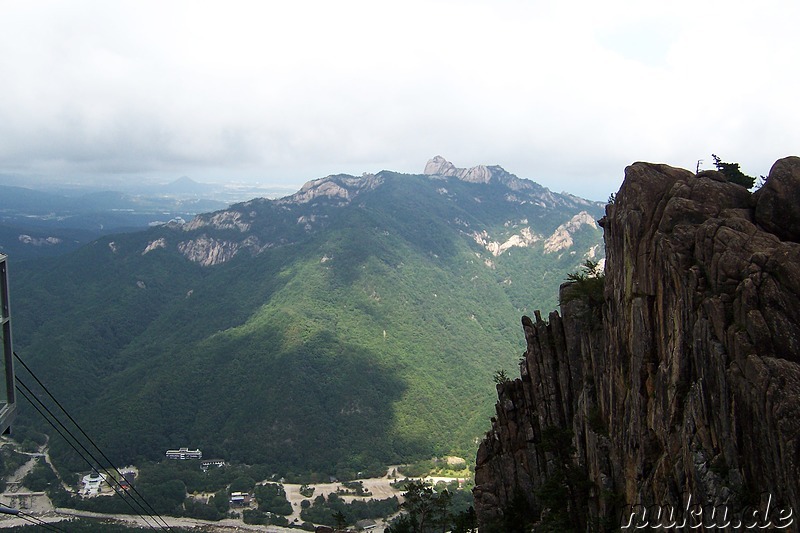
[{"x": 680, "y": 380}]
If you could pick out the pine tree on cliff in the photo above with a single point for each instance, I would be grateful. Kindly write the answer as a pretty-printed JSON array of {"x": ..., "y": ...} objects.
[{"x": 732, "y": 173}]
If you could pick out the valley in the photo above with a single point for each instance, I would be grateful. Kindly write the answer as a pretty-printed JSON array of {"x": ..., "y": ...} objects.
[{"x": 354, "y": 324}]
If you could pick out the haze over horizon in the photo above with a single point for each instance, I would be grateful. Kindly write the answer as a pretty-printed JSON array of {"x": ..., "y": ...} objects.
[{"x": 564, "y": 94}]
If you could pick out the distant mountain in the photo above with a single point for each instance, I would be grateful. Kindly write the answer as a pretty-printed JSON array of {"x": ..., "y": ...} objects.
[
  {"x": 358, "y": 321},
  {"x": 14, "y": 198},
  {"x": 37, "y": 223},
  {"x": 186, "y": 185}
]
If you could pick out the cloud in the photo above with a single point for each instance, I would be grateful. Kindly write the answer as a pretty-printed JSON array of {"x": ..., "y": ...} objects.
[{"x": 566, "y": 94}]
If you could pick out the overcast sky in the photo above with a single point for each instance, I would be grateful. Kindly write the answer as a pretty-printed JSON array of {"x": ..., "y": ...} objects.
[{"x": 566, "y": 93}]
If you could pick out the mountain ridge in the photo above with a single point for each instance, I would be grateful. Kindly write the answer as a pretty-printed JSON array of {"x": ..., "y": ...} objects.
[
  {"x": 339, "y": 314},
  {"x": 341, "y": 189}
]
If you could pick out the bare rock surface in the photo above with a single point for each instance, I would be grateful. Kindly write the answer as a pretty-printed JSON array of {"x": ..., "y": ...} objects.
[
  {"x": 778, "y": 201},
  {"x": 685, "y": 380}
]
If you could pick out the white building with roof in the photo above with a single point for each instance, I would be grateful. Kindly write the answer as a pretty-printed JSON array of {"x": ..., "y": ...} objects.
[
  {"x": 92, "y": 484},
  {"x": 184, "y": 453}
]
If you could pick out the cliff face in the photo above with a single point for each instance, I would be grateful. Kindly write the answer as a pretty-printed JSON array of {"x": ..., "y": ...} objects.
[{"x": 684, "y": 380}]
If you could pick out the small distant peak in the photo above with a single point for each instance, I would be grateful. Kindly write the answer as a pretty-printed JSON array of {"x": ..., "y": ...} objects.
[
  {"x": 184, "y": 182},
  {"x": 185, "y": 185}
]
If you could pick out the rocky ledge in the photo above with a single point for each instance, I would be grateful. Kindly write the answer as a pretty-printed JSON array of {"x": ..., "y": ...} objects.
[{"x": 679, "y": 385}]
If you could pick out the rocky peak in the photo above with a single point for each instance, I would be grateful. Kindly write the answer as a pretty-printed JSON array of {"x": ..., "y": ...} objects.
[
  {"x": 681, "y": 379},
  {"x": 562, "y": 237},
  {"x": 260, "y": 224},
  {"x": 439, "y": 166},
  {"x": 340, "y": 188},
  {"x": 778, "y": 202}
]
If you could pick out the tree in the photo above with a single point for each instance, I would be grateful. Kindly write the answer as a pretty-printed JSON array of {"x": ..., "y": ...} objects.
[
  {"x": 590, "y": 279},
  {"x": 465, "y": 521},
  {"x": 340, "y": 521},
  {"x": 732, "y": 173},
  {"x": 565, "y": 492},
  {"x": 242, "y": 484},
  {"x": 401, "y": 524},
  {"x": 272, "y": 498},
  {"x": 427, "y": 511},
  {"x": 220, "y": 501},
  {"x": 441, "y": 511},
  {"x": 587, "y": 286},
  {"x": 40, "y": 477},
  {"x": 500, "y": 376},
  {"x": 202, "y": 511}
]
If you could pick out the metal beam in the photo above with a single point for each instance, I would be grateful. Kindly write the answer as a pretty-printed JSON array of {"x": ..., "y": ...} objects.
[{"x": 8, "y": 405}]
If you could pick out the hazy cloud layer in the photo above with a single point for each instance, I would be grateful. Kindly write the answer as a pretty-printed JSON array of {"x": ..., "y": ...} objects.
[{"x": 566, "y": 94}]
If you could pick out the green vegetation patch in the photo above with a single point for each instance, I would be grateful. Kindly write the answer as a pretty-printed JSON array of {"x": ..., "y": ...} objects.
[
  {"x": 324, "y": 510},
  {"x": 366, "y": 337}
]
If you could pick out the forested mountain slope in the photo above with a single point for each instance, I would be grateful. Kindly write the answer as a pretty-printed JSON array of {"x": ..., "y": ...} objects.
[{"x": 356, "y": 322}]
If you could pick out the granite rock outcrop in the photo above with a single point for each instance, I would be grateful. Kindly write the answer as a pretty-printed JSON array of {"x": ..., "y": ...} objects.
[{"x": 682, "y": 380}]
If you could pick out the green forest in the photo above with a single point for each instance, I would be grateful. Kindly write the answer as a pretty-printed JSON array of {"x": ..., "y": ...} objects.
[{"x": 369, "y": 339}]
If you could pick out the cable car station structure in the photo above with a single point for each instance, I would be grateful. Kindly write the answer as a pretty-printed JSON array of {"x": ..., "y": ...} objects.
[{"x": 8, "y": 405}]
